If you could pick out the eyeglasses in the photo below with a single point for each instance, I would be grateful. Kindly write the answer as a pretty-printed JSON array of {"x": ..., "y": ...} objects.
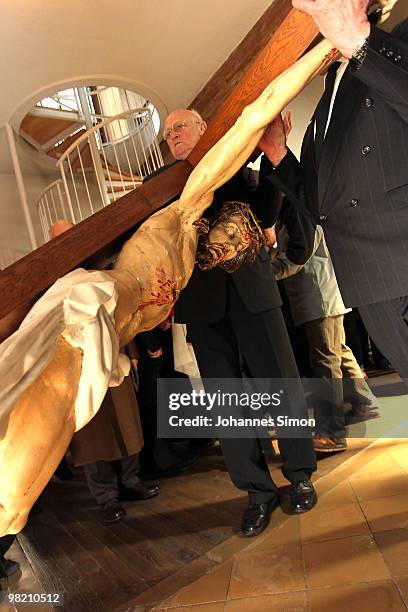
[{"x": 177, "y": 127}]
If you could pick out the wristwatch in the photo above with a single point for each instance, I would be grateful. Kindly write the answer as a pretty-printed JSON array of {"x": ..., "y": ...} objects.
[{"x": 359, "y": 55}]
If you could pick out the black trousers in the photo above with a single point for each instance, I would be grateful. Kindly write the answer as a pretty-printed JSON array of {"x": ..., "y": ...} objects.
[
  {"x": 5, "y": 543},
  {"x": 104, "y": 478},
  {"x": 156, "y": 452},
  {"x": 263, "y": 342},
  {"x": 387, "y": 324}
]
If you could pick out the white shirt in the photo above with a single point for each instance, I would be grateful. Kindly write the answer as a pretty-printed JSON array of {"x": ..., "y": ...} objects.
[{"x": 339, "y": 75}]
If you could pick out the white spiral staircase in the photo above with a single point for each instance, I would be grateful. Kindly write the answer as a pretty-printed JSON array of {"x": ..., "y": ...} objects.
[{"x": 100, "y": 158}]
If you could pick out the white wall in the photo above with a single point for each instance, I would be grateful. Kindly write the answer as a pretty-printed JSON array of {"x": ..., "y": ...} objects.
[{"x": 13, "y": 231}]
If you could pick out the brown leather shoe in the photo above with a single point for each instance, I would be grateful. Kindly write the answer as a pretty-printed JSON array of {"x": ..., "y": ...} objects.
[{"x": 329, "y": 445}]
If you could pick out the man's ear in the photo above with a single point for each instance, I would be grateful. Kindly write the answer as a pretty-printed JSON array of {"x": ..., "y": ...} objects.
[{"x": 202, "y": 127}]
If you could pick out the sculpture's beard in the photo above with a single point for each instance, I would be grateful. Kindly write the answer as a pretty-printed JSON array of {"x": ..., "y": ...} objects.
[
  {"x": 224, "y": 255},
  {"x": 209, "y": 255}
]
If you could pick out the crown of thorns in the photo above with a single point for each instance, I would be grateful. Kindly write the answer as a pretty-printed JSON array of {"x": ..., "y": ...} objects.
[{"x": 209, "y": 255}]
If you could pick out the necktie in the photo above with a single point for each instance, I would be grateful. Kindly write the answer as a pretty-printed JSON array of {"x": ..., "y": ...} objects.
[{"x": 322, "y": 110}]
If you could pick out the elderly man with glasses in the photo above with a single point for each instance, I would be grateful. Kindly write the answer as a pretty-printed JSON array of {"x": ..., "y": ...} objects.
[{"x": 234, "y": 319}]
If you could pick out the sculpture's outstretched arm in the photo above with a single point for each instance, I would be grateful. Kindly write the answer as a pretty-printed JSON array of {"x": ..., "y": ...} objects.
[{"x": 229, "y": 154}]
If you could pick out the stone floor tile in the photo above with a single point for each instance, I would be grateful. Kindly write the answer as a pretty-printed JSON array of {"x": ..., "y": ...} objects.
[
  {"x": 268, "y": 572},
  {"x": 339, "y": 562},
  {"x": 386, "y": 513},
  {"x": 285, "y": 602},
  {"x": 330, "y": 523},
  {"x": 382, "y": 596}
]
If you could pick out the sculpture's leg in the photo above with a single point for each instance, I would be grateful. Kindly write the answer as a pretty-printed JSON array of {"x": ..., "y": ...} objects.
[{"x": 36, "y": 434}]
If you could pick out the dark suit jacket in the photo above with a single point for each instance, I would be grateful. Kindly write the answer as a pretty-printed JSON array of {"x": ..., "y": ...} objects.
[
  {"x": 359, "y": 191},
  {"x": 204, "y": 299}
]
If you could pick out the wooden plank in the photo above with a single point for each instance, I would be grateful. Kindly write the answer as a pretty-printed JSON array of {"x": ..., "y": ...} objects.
[
  {"x": 25, "y": 280},
  {"x": 122, "y": 548},
  {"x": 295, "y": 34},
  {"x": 57, "y": 151},
  {"x": 48, "y": 548},
  {"x": 221, "y": 84},
  {"x": 44, "y": 129}
]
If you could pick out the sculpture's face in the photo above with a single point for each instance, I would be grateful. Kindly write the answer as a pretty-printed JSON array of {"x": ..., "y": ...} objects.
[
  {"x": 230, "y": 233},
  {"x": 233, "y": 239}
]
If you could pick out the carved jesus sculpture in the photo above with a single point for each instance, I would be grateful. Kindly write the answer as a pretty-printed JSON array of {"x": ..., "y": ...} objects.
[{"x": 56, "y": 368}]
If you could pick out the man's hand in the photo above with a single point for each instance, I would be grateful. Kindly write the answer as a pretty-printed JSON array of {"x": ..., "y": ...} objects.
[
  {"x": 155, "y": 354},
  {"x": 270, "y": 236},
  {"x": 273, "y": 141},
  {"x": 343, "y": 22},
  {"x": 164, "y": 325}
]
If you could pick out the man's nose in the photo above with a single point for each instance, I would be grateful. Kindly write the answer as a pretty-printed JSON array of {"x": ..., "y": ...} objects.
[{"x": 174, "y": 136}]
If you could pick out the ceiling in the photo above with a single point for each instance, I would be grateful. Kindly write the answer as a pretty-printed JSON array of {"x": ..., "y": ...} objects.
[{"x": 164, "y": 49}]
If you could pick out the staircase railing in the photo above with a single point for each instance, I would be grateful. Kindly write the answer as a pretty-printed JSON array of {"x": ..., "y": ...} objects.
[
  {"x": 109, "y": 160},
  {"x": 52, "y": 206}
]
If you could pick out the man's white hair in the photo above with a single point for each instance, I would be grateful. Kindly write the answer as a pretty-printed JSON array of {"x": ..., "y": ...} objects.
[{"x": 195, "y": 113}]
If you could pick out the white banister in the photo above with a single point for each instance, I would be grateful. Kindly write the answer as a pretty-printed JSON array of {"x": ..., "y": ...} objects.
[
  {"x": 104, "y": 163},
  {"x": 20, "y": 186},
  {"x": 53, "y": 193}
]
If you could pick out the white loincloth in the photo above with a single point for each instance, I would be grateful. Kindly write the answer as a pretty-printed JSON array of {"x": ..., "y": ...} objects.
[{"x": 80, "y": 306}]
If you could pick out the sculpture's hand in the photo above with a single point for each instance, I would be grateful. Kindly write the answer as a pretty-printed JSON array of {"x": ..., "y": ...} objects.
[
  {"x": 343, "y": 22},
  {"x": 273, "y": 141}
]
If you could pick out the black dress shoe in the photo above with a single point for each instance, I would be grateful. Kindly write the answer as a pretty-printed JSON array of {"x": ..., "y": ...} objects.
[
  {"x": 113, "y": 512},
  {"x": 300, "y": 497},
  {"x": 140, "y": 492},
  {"x": 256, "y": 517}
]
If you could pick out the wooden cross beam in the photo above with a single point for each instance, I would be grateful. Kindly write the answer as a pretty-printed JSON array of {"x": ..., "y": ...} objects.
[{"x": 290, "y": 34}]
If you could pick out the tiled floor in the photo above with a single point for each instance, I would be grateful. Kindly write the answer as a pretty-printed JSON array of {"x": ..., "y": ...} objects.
[{"x": 350, "y": 553}]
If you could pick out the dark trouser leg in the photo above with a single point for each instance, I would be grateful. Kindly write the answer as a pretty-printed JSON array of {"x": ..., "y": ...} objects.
[
  {"x": 353, "y": 336},
  {"x": 300, "y": 350},
  {"x": 387, "y": 325},
  {"x": 264, "y": 343},
  {"x": 128, "y": 470},
  {"x": 5, "y": 543},
  {"x": 378, "y": 358},
  {"x": 155, "y": 450},
  {"x": 216, "y": 350},
  {"x": 325, "y": 338},
  {"x": 102, "y": 481}
]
